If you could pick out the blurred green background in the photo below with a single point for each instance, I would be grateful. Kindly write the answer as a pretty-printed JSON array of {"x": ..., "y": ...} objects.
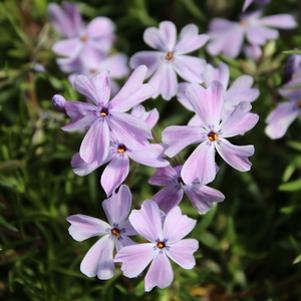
[{"x": 250, "y": 245}]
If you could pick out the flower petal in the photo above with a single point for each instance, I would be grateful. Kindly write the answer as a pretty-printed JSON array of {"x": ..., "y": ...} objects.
[
  {"x": 133, "y": 91},
  {"x": 69, "y": 48},
  {"x": 190, "y": 68},
  {"x": 236, "y": 156},
  {"x": 182, "y": 251},
  {"x": 159, "y": 274},
  {"x": 82, "y": 168},
  {"x": 134, "y": 258},
  {"x": 207, "y": 103},
  {"x": 118, "y": 206},
  {"x": 190, "y": 39},
  {"x": 221, "y": 74},
  {"x": 176, "y": 138},
  {"x": 177, "y": 225},
  {"x": 115, "y": 173},
  {"x": 150, "y": 59},
  {"x": 203, "y": 197},
  {"x": 239, "y": 121},
  {"x": 80, "y": 124},
  {"x": 258, "y": 35},
  {"x": 280, "y": 119},
  {"x": 149, "y": 117},
  {"x": 169, "y": 197},
  {"x": 99, "y": 259},
  {"x": 83, "y": 227},
  {"x": 200, "y": 165},
  {"x": 95, "y": 145},
  {"x": 147, "y": 221},
  {"x": 164, "y": 176},
  {"x": 164, "y": 81},
  {"x": 149, "y": 155},
  {"x": 282, "y": 21}
]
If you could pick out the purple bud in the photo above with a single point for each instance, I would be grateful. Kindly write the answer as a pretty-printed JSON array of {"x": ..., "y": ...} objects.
[
  {"x": 292, "y": 65},
  {"x": 59, "y": 101}
]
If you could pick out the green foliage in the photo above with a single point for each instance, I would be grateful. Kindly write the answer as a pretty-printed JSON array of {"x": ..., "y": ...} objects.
[{"x": 250, "y": 245}]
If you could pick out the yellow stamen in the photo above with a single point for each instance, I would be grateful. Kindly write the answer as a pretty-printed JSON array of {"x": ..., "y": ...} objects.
[
  {"x": 212, "y": 136},
  {"x": 169, "y": 56}
]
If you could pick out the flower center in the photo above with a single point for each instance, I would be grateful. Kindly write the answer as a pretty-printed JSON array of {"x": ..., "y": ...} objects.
[
  {"x": 169, "y": 55},
  {"x": 115, "y": 232},
  {"x": 92, "y": 71},
  {"x": 161, "y": 245},
  {"x": 212, "y": 136},
  {"x": 121, "y": 149},
  {"x": 104, "y": 112},
  {"x": 243, "y": 23},
  {"x": 84, "y": 38},
  {"x": 298, "y": 103}
]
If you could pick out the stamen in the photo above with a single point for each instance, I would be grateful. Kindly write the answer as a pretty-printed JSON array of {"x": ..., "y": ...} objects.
[
  {"x": 212, "y": 136},
  {"x": 161, "y": 245},
  {"x": 84, "y": 38},
  {"x": 169, "y": 56},
  {"x": 104, "y": 112},
  {"x": 93, "y": 71},
  {"x": 115, "y": 232},
  {"x": 121, "y": 149},
  {"x": 298, "y": 103}
]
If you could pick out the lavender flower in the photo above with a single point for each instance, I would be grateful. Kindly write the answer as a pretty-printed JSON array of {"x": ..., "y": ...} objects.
[
  {"x": 114, "y": 235},
  {"x": 171, "y": 57},
  {"x": 212, "y": 133},
  {"x": 104, "y": 118},
  {"x": 227, "y": 37},
  {"x": 81, "y": 40},
  {"x": 285, "y": 113},
  {"x": 239, "y": 91},
  {"x": 165, "y": 242},
  {"x": 202, "y": 197},
  {"x": 119, "y": 162}
]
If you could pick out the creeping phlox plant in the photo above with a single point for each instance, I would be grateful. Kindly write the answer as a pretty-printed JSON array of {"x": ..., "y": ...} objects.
[{"x": 117, "y": 129}]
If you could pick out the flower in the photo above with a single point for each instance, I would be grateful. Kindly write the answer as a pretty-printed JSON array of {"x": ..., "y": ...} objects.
[
  {"x": 165, "y": 242},
  {"x": 285, "y": 113},
  {"x": 239, "y": 91},
  {"x": 81, "y": 40},
  {"x": 113, "y": 235},
  {"x": 202, "y": 197},
  {"x": 212, "y": 133},
  {"x": 171, "y": 57},
  {"x": 150, "y": 117},
  {"x": 227, "y": 37},
  {"x": 104, "y": 118},
  {"x": 119, "y": 162}
]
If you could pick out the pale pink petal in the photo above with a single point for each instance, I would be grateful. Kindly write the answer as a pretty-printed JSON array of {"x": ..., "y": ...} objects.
[
  {"x": 200, "y": 165},
  {"x": 163, "y": 176},
  {"x": 182, "y": 97},
  {"x": 116, "y": 65},
  {"x": 259, "y": 35},
  {"x": 190, "y": 68},
  {"x": 80, "y": 124},
  {"x": 221, "y": 74},
  {"x": 150, "y": 59},
  {"x": 99, "y": 259},
  {"x": 134, "y": 259},
  {"x": 95, "y": 145},
  {"x": 115, "y": 173},
  {"x": 147, "y": 221},
  {"x": 235, "y": 155},
  {"x": 177, "y": 225},
  {"x": 83, "y": 227},
  {"x": 282, "y": 21},
  {"x": 168, "y": 33},
  {"x": 159, "y": 274},
  {"x": 101, "y": 27},
  {"x": 82, "y": 168},
  {"x": 182, "y": 251},
  {"x": 176, "y": 138},
  {"x": 190, "y": 39},
  {"x": 69, "y": 48},
  {"x": 118, "y": 206},
  {"x": 150, "y": 117}
]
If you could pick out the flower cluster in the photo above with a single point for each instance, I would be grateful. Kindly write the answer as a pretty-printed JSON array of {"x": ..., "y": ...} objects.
[{"x": 118, "y": 129}]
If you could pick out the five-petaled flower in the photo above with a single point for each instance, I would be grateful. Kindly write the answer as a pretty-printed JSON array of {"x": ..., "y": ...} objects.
[
  {"x": 114, "y": 235},
  {"x": 165, "y": 236},
  {"x": 171, "y": 57},
  {"x": 208, "y": 104},
  {"x": 201, "y": 196}
]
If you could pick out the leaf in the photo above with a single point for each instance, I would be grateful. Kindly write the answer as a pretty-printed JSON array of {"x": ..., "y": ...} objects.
[{"x": 291, "y": 186}]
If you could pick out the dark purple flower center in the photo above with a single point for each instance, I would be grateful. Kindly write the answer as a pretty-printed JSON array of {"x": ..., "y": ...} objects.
[
  {"x": 169, "y": 55},
  {"x": 212, "y": 136},
  {"x": 115, "y": 232},
  {"x": 161, "y": 245},
  {"x": 121, "y": 149},
  {"x": 104, "y": 112}
]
